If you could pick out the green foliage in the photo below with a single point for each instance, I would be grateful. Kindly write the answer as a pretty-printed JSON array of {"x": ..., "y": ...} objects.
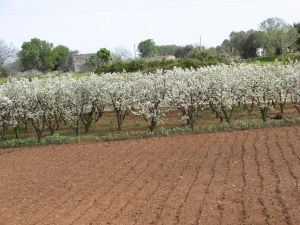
[
  {"x": 237, "y": 41},
  {"x": 54, "y": 139},
  {"x": 195, "y": 61},
  {"x": 254, "y": 41},
  {"x": 102, "y": 57},
  {"x": 242, "y": 44},
  {"x": 147, "y": 48},
  {"x": 278, "y": 36},
  {"x": 207, "y": 56},
  {"x": 3, "y": 73},
  {"x": 61, "y": 57},
  {"x": 297, "y": 27},
  {"x": 115, "y": 67},
  {"x": 182, "y": 52},
  {"x": 189, "y": 63},
  {"x": 238, "y": 125},
  {"x": 284, "y": 58},
  {"x": 135, "y": 65},
  {"x": 274, "y": 35},
  {"x": 164, "y": 50},
  {"x": 36, "y": 54},
  {"x": 40, "y": 55},
  {"x": 120, "y": 66}
]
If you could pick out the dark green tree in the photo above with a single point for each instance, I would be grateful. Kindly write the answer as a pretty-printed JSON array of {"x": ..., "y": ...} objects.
[
  {"x": 36, "y": 54},
  {"x": 279, "y": 36},
  {"x": 226, "y": 49},
  {"x": 147, "y": 48},
  {"x": 61, "y": 56},
  {"x": 235, "y": 45},
  {"x": 297, "y": 27},
  {"x": 206, "y": 56},
  {"x": 102, "y": 57},
  {"x": 164, "y": 50},
  {"x": 237, "y": 40},
  {"x": 254, "y": 41},
  {"x": 182, "y": 52}
]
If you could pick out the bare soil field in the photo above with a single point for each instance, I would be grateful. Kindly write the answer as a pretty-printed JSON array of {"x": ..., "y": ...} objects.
[{"x": 245, "y": 177}]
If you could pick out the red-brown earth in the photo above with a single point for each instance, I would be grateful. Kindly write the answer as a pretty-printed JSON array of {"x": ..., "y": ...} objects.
[{"x": 245, "y": 177}]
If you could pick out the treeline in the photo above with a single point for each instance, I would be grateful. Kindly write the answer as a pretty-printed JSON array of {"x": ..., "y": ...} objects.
[
  {"x": 41, "y": 55},
  {"x": 37, "y": 55},
  {"x": 195, "y": 59},
  {"x": 153, "y": 57},
  {"x": 273, "y": 39}
]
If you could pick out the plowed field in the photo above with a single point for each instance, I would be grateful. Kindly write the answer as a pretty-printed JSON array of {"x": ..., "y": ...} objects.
[{"x": 246, "y": 177}]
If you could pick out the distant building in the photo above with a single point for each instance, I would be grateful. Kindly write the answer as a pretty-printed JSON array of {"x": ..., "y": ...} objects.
[
  {"x": 260, "y": 52},
  {"x": 79, "y": 62}
]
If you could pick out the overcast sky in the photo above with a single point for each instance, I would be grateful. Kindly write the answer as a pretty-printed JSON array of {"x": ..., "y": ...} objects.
[{"x": 87, "y": 25}]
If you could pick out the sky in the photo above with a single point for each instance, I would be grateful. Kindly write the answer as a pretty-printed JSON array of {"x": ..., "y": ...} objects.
[{"x": 88, "y": 25}]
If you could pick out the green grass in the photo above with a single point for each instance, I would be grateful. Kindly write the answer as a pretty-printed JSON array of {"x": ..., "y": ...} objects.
[
  {"x": 237, "y": 125},
  {"x": 79, "y": 75},
  {"x": 284, "y": 58},
  {"x": 76, "y": 76},
  {"x": 3, "y": 80},
  {"x": 257, "y": 62}
]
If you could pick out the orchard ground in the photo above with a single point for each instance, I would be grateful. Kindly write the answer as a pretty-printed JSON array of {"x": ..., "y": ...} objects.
[
  {"x": 107, "y": 124},
  {"x": 241, "y": 177}
]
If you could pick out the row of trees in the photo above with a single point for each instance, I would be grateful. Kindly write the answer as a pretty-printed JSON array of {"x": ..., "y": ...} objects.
[
  {"x": 43, "y": 56},
  {"x": 35, "y": 54},
  {"x": 102, "y": 57},
  {"x": 47, "y": 103},
  {"x": 274, "y": 35},
  {"x": 105, "y": 61},
  {"x": 196, "y": 60},
  {"x": 148, "y": 48}
]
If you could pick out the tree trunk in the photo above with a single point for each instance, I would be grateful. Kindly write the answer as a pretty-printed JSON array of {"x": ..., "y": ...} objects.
[
  {"x": 26, "y": 126},
  {"x": 226, "y": 115},
  {"x": 16, "y": 130},
  {"x": 77, "y": 128},
  {"x": 298, "y": 108},
  {"x": 281, "y": 108},
  {"x": 152, "y": 125},
  {"x": 264, "y": 113},
  {"x": 38, "y": 130},
  {"x": 39, "y": 136},
  {"x": 57, "y": 122},
  {"x": 3, "y": 133},
  {"x": 249, "y": 110},
  {"x": 87, "y": 128},
  {"x": 120, "y": 118}
]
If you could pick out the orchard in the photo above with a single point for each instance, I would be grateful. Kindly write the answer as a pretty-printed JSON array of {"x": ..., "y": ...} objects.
[{"x": 47, "y": 103}]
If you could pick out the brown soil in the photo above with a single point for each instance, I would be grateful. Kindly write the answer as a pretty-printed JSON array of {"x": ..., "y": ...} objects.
[{"x": 248, "y": 177}]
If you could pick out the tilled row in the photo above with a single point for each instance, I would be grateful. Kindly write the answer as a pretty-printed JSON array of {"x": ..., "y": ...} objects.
[{"x": 246, "y": 177}]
